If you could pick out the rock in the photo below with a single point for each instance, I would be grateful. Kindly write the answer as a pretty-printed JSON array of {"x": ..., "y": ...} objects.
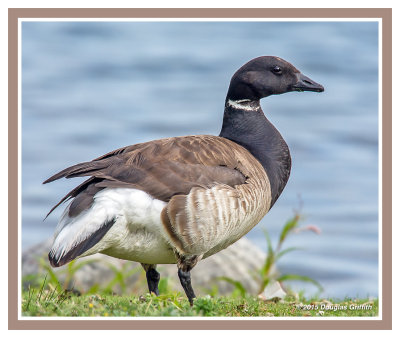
[
  {"x": 273, "y": 291},
  {"x": 240, "y": 262}
]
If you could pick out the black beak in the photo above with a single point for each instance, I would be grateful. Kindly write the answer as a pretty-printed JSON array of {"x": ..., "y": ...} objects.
[{"x": 306, "y": 84}]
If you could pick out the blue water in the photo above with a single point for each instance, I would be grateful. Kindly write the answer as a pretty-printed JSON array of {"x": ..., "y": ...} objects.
[{"x": 89, "y": 88}]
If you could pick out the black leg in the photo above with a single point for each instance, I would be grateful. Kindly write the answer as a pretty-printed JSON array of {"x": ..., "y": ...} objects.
[
  {"x": 153, "y": 277},
  {"x": 184, "y": 277}
]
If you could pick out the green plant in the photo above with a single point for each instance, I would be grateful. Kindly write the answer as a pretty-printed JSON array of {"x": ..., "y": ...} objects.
[
  {"x": 67, "y": 275},
  {"x": 46, "y": 295},
  {"x": 64, "y": 279},
  {"x": 238, "y": 290},
  {"x": 163, "y": 286},
  {"x": 120, "y": 277},
  {"x": 268, "y": 273}
]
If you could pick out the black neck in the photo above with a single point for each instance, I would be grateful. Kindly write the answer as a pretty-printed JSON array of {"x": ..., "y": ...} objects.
[{"x": 245, "y": 123}]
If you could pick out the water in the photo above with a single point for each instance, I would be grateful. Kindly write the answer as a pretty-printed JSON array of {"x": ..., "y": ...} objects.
[{"x": 89, "y": 88}]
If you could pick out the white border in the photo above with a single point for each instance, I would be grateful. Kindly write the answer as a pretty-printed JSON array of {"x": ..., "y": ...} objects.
[
  {"x": 200, "y": 19},
  {"x": 380, "y": 149},
  {"x": 379, "y": 20}
]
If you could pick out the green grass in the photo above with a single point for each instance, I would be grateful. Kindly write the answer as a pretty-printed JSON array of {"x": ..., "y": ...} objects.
[{"x": 43, "y": 303}]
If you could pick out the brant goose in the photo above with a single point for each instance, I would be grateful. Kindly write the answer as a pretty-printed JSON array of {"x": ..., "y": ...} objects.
[{"x": 182, "y": 199}]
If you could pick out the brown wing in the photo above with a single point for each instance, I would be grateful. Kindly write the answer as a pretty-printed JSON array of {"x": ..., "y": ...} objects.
[
  {"x": 163, "y": 168},
  {"x": 209, "y": 219}
]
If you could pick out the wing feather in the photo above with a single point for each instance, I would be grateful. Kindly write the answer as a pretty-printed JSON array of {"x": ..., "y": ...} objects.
[{"x": 163, "y": 168}]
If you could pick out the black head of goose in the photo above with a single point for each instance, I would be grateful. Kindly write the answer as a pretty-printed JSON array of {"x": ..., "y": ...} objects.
[{"x": 181, "y": 199}]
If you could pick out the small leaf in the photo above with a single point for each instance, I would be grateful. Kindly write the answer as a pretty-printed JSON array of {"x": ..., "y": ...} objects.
[
  {"x": 289, "y": 226},
  {"x": 163, "y": 286},
  {"x": 53, "y": 277},
  {"x": 93, "y": 289},
  {"x": 300, "y": 278},
  {"x": 264, "y": 283},
  {"x": 269, "y": 243},
  {"x": 284, "y": 252},
  {"x": 270, "y": 257},
  {"x": 76, "y": 266},
  {"x": 238, "y": 286}
]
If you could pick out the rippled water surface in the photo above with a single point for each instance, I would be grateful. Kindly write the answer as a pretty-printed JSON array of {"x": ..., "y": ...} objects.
[{"x": 89, "y": 88}]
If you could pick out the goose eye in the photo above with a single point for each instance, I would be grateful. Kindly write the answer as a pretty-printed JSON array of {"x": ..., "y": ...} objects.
[{"x": 277, "y": 70}]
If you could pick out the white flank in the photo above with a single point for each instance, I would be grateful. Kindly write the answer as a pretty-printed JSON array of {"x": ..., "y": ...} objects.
[{"x": 137, "y": 234}]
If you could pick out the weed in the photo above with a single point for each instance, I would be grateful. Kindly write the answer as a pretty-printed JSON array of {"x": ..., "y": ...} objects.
[{"x": 268, "y": 273}]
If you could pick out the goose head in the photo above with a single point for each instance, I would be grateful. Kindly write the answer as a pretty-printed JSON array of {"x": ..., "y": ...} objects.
[{"x": 268, "y": 75}]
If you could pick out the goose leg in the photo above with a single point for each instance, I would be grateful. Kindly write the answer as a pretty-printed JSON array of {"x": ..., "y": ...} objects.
[
  {"x": 184, "y": 277},
  {"x": 185, "y": 264},
  {"x": 153, "y": 277}
]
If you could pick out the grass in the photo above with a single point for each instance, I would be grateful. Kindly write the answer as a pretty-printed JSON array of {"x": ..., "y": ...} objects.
[{"x": 45, "y": 303}]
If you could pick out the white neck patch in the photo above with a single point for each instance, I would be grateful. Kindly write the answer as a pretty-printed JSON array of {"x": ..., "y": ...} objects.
[{"x": 243, "y": 105}]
